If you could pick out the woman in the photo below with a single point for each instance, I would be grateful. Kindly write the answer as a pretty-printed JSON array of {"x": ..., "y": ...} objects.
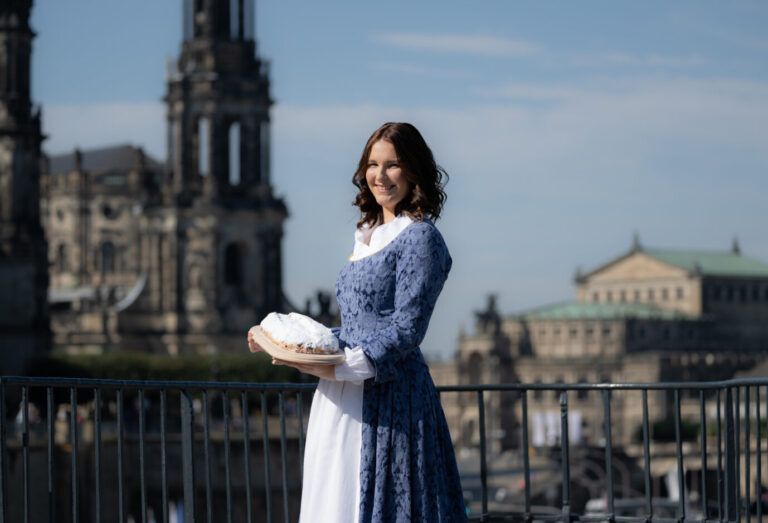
[{"x": 378, "y": 447}]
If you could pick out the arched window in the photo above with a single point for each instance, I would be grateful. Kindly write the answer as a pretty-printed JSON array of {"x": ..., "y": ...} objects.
[
  {"x": 189, "y": 16},
  {"x": 234, "y": 153},
  {"x": 233, "y": 265},
  {"x": 248, "y": 19},
  {"x": 4, "y": 67},
  {"x": 123, "y": 251},
  {"x": 107, "y": 257},
  {"x": 203, "y": 156},
  {"x": 235, "y": 29},
  {"x": 197, "y": 21},
  {"x": 62, "y": 263},
  {"x": 475, "y": 368},
  {"x": 264, "y": 147}
]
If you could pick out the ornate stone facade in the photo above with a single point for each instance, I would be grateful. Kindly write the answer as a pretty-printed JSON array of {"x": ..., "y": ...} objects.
[{"x": 183, "y": 256}]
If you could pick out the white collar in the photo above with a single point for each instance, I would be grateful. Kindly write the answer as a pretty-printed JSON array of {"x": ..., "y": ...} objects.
[{"x": 369, "y": 240}]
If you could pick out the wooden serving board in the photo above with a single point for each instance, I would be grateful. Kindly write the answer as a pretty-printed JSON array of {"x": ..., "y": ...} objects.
[{"x": 294, "y": 357}]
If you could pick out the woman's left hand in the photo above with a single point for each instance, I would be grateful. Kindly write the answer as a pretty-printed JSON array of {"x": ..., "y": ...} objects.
[{"x": 326, "y": 372}]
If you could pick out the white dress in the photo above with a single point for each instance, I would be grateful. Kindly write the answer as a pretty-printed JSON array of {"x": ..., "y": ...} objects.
[{"x": 331, "y": 485}]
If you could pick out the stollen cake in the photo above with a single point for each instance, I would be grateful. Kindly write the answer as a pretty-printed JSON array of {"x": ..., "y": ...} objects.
[{"x": 299, "y": 333}]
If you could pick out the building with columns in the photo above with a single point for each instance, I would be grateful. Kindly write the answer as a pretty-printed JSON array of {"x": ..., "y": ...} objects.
[
  {"x": 648, "y": 315},
  {"x": 24, "y": 331},
  {"x": 184, "y": 255}
]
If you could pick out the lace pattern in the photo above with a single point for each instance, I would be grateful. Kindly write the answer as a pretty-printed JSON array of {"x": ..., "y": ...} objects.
[{"x": 407, "y": 467}]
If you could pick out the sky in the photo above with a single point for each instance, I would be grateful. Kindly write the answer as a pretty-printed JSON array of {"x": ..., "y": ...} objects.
[{"x": 565, "y": 127}]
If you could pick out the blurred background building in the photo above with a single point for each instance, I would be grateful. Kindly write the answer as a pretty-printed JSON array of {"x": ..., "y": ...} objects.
[
  {"x": 647, "y": 316},
  {"x": 183, "y": 256}
]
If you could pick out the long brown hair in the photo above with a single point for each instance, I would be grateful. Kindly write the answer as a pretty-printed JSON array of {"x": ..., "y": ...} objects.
[{"x": 427, "y": 179}]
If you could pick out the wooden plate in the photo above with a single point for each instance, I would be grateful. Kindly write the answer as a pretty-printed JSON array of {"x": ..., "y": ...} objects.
[{"x": 294, "y": 357}]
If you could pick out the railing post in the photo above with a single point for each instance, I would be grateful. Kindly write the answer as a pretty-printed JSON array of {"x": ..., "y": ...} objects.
[
  {"x": 737, "y": 448},
  {"x": 74, "y": 454},
  {"x": 483, "y": 462},
  {"x": 720, "y": 491},
  {"x": 284, "y": 459},
  {"x": 526, "y": 459},
  {"x": 120, "y": 460},
  {"x": 97, "y": 449},
  {"x": 647, "y": 456},
  {"x": 267, "y": 466},
  {"x": 759, "y": 475},
  {"x": 747, "y": 511},
  {"x": 731, "y": 508},
  {"x": 564, "y": 454},
  {"x": 25, "y": 448},
  {"x": 679, "y": 451},
  {"x": 703, "y": 437},
  {"x": 142, "y": 468},
  {"x": 51, "y": 466},
  {"x": 608, "y": 454},
  {"x": 188, "y": 455},
  {"x": 3, "y": 458},
  {"x": 207, "y": 458}
]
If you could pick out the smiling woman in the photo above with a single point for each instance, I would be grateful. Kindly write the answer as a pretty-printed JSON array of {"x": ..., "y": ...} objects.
[
  {"x": 378, "y": 447},
  {"x": 397, "y": 173},
  {"x": 386, "y": 179}
]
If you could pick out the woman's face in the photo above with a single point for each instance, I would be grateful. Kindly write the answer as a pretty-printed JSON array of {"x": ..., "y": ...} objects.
[{"x": 385, "y": 178}]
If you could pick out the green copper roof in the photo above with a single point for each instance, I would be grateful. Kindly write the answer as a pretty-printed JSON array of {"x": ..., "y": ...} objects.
[
  {"x": 575, "y": 310},
  {"x": 711, "y": 263}
]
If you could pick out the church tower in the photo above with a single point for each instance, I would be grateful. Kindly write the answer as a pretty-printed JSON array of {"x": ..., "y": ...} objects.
[
  {"x": 24, "y": 325},
  {"x": 218, "y": 106},
  {"x": 212, "y": 250}
]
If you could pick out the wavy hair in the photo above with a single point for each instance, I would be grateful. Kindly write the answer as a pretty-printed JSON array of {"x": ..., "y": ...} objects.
[{"x": 425, "y": 197}]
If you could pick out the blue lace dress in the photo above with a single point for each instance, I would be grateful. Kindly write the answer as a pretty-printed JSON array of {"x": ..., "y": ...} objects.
[{"x": 407, "y": 464}]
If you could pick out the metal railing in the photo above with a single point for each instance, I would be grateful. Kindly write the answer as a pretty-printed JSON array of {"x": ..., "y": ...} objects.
[
  {"x": 735, "y": 452},
  {"x": 109, "y": 450}
]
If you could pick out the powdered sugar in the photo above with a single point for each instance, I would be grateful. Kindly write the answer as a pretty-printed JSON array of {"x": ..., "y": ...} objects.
[{"x": 299, "y": 330}]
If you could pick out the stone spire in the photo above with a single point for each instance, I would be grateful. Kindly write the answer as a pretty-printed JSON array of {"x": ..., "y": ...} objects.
[{"x": 218, "y": 107}]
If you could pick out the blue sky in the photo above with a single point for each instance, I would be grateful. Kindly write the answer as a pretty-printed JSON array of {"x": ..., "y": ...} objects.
[{"x": 566, "y": 127}]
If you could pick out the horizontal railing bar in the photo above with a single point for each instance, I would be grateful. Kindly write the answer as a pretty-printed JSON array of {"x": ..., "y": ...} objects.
[
  {"x": 706, "y": 385},
  {"x": 575, "y": 517},
  {"x": 492, "y": 516},
  {"x": 153, "y": 384}
]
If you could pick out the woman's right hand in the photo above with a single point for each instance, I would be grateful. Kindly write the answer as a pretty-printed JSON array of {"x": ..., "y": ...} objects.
[{"x": 252, "y": 345}]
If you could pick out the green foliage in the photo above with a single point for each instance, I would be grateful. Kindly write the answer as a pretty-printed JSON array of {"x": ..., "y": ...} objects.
[
  {"x": 240, "y": 367},
  {"x": 664, "y": 430},
  {"x": 712, "y": 427}
]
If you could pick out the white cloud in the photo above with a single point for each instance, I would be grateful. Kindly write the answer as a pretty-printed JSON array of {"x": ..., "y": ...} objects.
[
  {"x": 457, "y": 43},
  {"x": 629, "y": 60},
  {"x": 729, "y": 36},
  {"x": 507, "y": 47},
  {"x": 421, "y": 70},
  {"x": 529, "y": 91},
  {"x": 641, "y": 113}
]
